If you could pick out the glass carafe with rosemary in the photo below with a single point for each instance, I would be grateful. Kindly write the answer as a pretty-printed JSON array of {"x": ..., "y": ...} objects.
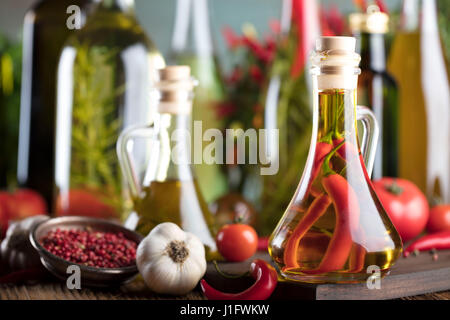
[
  {"x": 104, "y": 74},
  {"x": 45, "y": 31},
  {"x": 169, "y": 191},
  {"x": 335, "y": 226}
]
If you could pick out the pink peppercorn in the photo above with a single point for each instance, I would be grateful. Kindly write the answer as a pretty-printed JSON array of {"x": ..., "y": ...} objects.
[{"x": 91, "y": 248}]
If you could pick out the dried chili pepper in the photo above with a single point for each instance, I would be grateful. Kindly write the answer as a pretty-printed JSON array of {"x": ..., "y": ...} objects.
[
  {"x": 346, "y": 205},
  {"x": 265, "y": 276},
  {"x": 347, "y": 213},
  {"x": 322, "y": 150},
  {"x": 357, "y": 256},
  {"x": 438, "y": 240},
  {"x": 315, "y": 211}
]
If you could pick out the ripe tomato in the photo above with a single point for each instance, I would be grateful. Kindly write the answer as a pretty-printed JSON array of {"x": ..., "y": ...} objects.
[
  {"x": 237, "y": 242},
  {"x": 405, "y": 204},
  {"x": 439, "y": 218}
]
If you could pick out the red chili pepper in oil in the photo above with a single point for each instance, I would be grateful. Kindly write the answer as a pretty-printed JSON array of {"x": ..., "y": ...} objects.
[{"x": 266, "y": 279}]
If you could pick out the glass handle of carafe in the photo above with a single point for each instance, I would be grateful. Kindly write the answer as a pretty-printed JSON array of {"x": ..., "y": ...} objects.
[
  {"x": 124, "y": 149},
  {"x": 370, "y": 137}
]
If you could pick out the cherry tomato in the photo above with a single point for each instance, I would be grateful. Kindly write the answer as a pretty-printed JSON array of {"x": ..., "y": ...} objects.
[
  {"x": 439, "y": 218},
  {"x": 405, "y": 204},
  {"x": 237, "y": 242}
]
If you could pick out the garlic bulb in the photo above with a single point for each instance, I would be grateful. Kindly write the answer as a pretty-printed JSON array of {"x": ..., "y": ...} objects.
[
  {"x": 170, "y": 260},
  {"x": 16, "y": 249}
]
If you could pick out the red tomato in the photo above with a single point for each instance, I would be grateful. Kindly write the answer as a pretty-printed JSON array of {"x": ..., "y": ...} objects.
[
  {"x": 237, "y": 242},
  {"x": 24, "y": 203},
  {"x": 439, "y": 218},
  {"x": 405, "y": 204},
  {"x": 4, "y": 216}
]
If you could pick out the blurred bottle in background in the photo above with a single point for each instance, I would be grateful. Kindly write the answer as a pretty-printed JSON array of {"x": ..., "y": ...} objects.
[
  {"x": 417, "y": 62},
  {"x": 376, "y": 88},
  {"x": 192, "y": 45},
  {"x": 44, "y": 32},
  {"x": 10, "y": 73},
  {"x": 104, "y": 76},
  {"x": 288, "y": 108}
]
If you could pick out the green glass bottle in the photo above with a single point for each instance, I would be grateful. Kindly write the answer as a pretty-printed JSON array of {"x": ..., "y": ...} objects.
[
  {"x": 377, "y": 89},
  {"x": 288, "y": 108},
  {"x": 192, "y": 45},
  {"x": 104, "y": 75},
  {"x": 44, "y": 32}
]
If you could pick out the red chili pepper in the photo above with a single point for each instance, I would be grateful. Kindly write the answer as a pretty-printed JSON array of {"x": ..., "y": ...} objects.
[
  {"x": 25, "y": 275},
  {"x": 322, "y": 150},
  {"x": 438, "y": 240},
  {"x": 315, "y": 211},
  {"x": 346, "y": 206},
  {"x": 357, "y": 256},
  {"x": 263, "y": 243},
  {"x": 265, "y": 276},
  {"x": 347, "y": 216}
]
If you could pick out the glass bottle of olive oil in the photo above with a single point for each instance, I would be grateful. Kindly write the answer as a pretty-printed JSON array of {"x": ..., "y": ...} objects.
[
  {"x": 376, "y": 87},
  {"x": 192, "y": 45},
  {"x": 169, "y": 191},
  {"x": 417, "y": 62},
  {"x": 45, "y": 30},
  {"x": 104, "y": 74}
]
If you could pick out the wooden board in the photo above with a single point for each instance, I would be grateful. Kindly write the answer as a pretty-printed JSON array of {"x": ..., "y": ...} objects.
[{"x": 410, "y": 276}]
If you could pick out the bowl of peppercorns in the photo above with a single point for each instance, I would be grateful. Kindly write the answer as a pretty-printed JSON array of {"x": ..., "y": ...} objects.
[{"x": 104, "y": 252}]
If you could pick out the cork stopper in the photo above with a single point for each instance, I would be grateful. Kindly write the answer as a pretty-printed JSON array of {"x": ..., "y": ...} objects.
[
  {"x": 175, "y": 86},
  {"x": 335, "y": 62},
  {"x": 174, "y": 73},
  {"x": 336, "y": 43}
]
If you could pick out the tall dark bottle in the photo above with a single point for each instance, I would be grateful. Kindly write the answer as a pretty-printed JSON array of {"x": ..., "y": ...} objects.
[
  {"x": 46, "y": 27},
  {"x": 376, "y": 87}
]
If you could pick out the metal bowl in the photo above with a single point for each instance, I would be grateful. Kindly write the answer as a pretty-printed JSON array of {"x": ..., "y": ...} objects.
[{"x": 90, "y": 276}]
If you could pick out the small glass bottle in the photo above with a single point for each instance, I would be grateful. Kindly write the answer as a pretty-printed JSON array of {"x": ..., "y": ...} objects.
[
  {"x": 335, "y": 227},
  {"x": 104, "y": 74},
  {"x": 376, "y": 87},
  {"x": 169, "y": 191}
]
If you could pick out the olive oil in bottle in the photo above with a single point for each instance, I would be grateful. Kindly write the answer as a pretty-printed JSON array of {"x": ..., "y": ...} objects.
[
  {"x": 169, "y": 191},
  {"x": 417, "y": 63}
]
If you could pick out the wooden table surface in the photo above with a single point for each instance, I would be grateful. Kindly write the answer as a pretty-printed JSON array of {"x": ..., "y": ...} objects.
[
  {"x": 51, "y": 289},
  {"x": 133, "y": 291}
]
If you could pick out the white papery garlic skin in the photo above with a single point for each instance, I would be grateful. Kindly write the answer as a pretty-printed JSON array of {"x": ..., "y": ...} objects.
[{"x": 170, "y": 260}]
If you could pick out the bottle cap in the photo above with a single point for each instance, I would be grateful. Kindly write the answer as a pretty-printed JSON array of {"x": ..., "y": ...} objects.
[{"x": 371, "y": 21}]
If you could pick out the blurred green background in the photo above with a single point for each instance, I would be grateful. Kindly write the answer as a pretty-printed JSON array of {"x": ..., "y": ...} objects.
[{"x": 157, "y": 16}]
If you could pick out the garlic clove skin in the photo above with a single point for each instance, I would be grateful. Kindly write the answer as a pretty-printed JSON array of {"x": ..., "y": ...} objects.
[{"x": 170, "y": 260}]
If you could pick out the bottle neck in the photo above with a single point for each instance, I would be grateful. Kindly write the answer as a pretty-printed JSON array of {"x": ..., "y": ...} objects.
[
  {"x": 174, "y": 131},
  {"x": 192, "y": 32},
  {"x": 335, "y": 112},
  {"x": 418, "y": 15},
  {"x": 125, "y": 6},
  {"x": 372, "y": 50}
]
